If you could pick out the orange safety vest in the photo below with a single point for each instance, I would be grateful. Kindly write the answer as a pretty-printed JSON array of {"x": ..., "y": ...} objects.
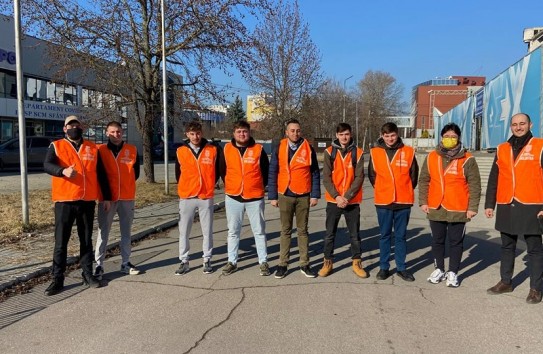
[
  {"x": 197, "y": 174},
  {"x": 521, "y": 179},
  {"x": 343, "y": 175},
  {"x": 120, "y": 171},
  {"x": 393, "y": 179},
  {"x": 243, "y": 173},
  {"x": 448, "y": 188},
  {"x": 84, "y": 186},
  {"x": 295, "y": 175}
]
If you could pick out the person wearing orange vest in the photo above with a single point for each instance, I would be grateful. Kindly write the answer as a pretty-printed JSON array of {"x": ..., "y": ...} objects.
[
  {"x": 449, "y": 193},
  {"x": 343, "y": 175},
  {"x": 515, "y": 184},
  {"x": 78, "y": 180},
  {"x": 197, "y": 170},
  {"x": 245, "y": 175},
  {"x": 122, "y": 167},
  {"x": 293, "y": 187},
  {"x": 393, "y": 172}
]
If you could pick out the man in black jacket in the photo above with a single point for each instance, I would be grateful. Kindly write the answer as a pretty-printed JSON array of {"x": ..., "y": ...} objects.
[{"x": 516, "y": 185}]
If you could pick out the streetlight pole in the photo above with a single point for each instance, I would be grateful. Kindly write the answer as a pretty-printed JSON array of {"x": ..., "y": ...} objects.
[
  {"x": 20, "y": 112},
  {"x": 344, "y": 94},
  {"x": 164, "y": 100}
]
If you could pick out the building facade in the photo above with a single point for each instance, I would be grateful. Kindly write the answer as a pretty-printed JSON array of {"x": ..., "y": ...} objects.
[{"x": 433, "y": 98}]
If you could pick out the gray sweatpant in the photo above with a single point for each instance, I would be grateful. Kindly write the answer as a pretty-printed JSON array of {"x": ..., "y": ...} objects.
[
  {"x": 187, "y": 209},
  {"x": 125, "y": 210}
]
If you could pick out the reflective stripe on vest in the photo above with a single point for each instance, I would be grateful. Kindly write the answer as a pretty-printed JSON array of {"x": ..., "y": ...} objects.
[
  {"x": 448, "y": 188},
  {"x": 295, "y": 175},
  {"x": 84, "y": 186},
  {"x": 243, "y": 173},
  {"x": 392, "y": 178},
  {"x": 197, "y": 175},
  {"x": 343, "y": 175},
  {"x": 521, "y": 179},
  {"x": 120, "y": 171}
]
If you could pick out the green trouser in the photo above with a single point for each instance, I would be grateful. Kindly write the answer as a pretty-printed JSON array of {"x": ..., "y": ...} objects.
[{"x": 288, "y": 207}]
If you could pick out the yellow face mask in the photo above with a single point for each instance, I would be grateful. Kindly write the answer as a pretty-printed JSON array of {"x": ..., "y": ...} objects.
[{"x": 449, "y": 143}]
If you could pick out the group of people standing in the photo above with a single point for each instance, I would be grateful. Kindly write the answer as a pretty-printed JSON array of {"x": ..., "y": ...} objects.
[{"x": 449, "y": 193}]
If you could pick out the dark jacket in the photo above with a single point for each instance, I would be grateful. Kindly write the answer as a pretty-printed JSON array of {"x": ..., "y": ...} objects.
[
  {"x": 328, "y": 168},
  {"x": 413, "y": 171},
  {"x": 471, "y": 172},
  {"x": 514, "y": 218},
  {"x": 203, "y": 143},
  {"x": 51, "y": 166},
  {"x": 274, "y": 172}
]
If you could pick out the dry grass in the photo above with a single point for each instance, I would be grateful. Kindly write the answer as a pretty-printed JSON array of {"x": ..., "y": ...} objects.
[{"x": 41, "y": 210}]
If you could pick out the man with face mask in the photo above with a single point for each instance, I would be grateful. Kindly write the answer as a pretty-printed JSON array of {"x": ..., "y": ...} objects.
[
  {"x": 515, "y": 183},
  {"x": 78, "y": 179}
]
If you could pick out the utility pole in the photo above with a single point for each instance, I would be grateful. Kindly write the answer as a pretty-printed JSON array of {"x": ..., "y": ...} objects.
[{"x": 345, "y": 94}]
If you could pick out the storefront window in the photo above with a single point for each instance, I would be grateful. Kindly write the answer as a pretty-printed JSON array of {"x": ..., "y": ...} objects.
[{"x": 6, "y": 130}]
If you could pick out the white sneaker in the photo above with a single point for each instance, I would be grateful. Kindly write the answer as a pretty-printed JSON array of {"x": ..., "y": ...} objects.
[
  {"x": 452, "y": 279},
  {"x": 130, "y": 269},
  {"x": 436, "y": 276}
]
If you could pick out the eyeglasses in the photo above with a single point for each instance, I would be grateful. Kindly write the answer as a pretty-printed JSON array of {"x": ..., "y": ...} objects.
[{"x": 521, "y": 124}]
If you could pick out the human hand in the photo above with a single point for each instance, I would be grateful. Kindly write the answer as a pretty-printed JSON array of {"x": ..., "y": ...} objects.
[
  {"x": 274, "y": 203},
  {"x": 425, "y": 208},
  {"x": 540, "y": 215},
  {"x": 490, "y": 212},
  {"x": 69, "y": 171},
  {"x": 341, "y": 201},
  {"x": 313, "y": 202},
  {"x": 107, "y": 205},
  {"x": 470, "y": 214}
]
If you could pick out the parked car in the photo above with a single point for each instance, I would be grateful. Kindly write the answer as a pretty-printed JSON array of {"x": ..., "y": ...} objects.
[
  {"x": 158, "y": 150},
  {"x": 36, "y": 149}
]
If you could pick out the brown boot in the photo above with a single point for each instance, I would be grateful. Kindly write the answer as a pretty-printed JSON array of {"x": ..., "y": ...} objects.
[
  {"x": 358, "y": 270},
  {"x": 327, "y": 268}
]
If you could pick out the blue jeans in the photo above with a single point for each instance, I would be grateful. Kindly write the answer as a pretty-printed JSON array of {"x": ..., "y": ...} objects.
[
  {"x": 234, "y": 217},
  {"x": 398, "y": 219}
]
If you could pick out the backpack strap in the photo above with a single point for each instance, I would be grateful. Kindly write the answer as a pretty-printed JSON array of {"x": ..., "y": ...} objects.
[{"x": 334, "y": 154}]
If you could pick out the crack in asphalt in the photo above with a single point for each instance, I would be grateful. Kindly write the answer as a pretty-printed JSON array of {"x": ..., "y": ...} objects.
[
  {"x": 421, "y": 291},
  {"x": 218, "y": 324}
]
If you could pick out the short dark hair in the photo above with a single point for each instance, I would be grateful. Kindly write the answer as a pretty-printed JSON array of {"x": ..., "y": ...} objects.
[
  {"x": 292, "y": 121},
  {"x": 194, "y": 126},
  {"x": 389, "y": 127},
  {"x": 114, "y": 123},
  {"x": 451, "y": 126},
  {"x": 242, "y": 124},
  {"x": 341, "y": 127}
]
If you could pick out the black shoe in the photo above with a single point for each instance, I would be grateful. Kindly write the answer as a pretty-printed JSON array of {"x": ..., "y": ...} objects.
[
  {"x": 55, "y": 287},
  {"x": 90, "y": 281},
  {"x": 280, "y": 272},
  {"x": 405, "y": 275},
  {"x": 383, "y": 274},
  {"x": 306, "y": 270}
]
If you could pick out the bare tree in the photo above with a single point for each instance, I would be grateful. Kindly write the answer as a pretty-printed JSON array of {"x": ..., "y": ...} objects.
[
  {"x": 379, "y": 97},
  {"x": 118, "y": 44},
  {"x": 284, "y": 63},
  {"x": 322, "y": 110}
]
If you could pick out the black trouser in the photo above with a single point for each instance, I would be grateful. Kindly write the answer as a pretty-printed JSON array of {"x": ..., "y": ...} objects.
[
  {"x": 535, "y": 258},
  {"x": 82, "y": 212},
  {"x": 455, "y": 231},
  {"x": 352, "y": 218}
]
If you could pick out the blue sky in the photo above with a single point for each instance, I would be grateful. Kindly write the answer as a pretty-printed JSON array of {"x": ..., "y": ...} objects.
[{"x": 416, "y": 40}]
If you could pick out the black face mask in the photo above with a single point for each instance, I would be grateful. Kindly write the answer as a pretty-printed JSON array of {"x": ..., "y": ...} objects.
[{"x": 74, "y": 133}]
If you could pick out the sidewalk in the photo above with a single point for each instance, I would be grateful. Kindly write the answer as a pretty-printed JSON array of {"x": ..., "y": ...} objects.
[
  {"x": 33, "y": 256},
  {"x": 159, "y": 312}
]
